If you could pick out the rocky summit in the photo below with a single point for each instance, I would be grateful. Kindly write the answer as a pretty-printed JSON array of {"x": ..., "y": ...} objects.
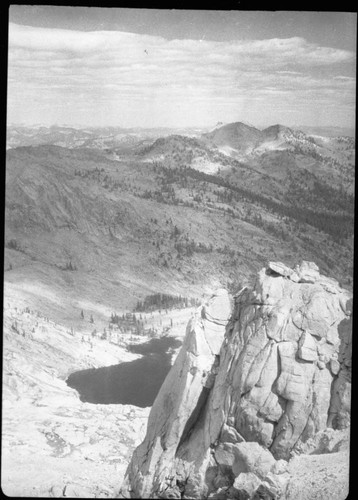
[{"x": 257, "y": 403}]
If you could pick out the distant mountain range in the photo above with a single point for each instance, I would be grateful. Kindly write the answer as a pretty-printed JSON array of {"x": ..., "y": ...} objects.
[
  {"x": 237, "y": 134},
  {"x": 88, "y": 137},
  {"x": 113, "y": 216},
  {"x": 274, "y": 151},
  {"x": 327, "y": 131}
]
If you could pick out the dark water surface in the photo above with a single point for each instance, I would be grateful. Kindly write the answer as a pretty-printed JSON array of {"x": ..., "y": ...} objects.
[{"x": 135, "y": 382}]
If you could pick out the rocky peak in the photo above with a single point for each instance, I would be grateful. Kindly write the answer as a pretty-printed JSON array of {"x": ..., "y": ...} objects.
[
  {"x": 274, "y": 131},
  {"x": 249, "y": 387}
]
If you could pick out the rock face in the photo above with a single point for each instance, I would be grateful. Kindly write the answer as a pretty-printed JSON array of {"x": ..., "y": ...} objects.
[{"x": 242, "y": 400}]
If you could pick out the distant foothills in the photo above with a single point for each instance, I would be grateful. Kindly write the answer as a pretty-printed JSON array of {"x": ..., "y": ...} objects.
[{"x": 324, "y": 130}]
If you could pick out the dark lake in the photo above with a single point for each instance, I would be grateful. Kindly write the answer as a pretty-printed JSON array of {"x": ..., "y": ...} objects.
[{"x": 135, "y": 382}]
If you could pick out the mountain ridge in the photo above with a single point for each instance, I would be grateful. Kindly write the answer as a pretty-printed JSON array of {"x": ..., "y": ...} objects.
[{"x": 148, "y": 220}]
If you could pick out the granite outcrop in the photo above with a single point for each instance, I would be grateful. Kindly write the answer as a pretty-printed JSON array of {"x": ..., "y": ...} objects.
[{"x": 262, "y": 378}]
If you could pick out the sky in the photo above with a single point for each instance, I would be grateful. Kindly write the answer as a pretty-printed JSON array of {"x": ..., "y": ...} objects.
[{"x": 179, "y": 68}]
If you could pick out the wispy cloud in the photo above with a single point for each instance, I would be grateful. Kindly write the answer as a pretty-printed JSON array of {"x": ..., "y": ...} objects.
[{"x": 111, "y": 69}]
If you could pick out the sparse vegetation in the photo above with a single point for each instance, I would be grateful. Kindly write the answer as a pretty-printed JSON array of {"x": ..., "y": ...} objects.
[
  {"x": 332, "y": 221},
  {"x": 68, "y": 266},
  {"x": 128, "y": 323},
  {"x": 163, "y": 301},
  {"x": 110, "y": 205}
]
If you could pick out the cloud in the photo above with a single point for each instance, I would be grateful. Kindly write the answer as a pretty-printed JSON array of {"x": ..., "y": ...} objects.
[{"x": 112, "y": 66}]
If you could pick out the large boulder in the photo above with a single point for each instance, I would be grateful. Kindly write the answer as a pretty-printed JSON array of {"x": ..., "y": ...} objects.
[
  {"x": 245, "y": 485},
  {"x": 251, "y": 457},
  {"x": 241, "y": 397}
]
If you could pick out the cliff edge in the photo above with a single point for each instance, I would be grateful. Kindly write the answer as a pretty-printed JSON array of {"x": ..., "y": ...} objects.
[{"x": 260, "y": 387}]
